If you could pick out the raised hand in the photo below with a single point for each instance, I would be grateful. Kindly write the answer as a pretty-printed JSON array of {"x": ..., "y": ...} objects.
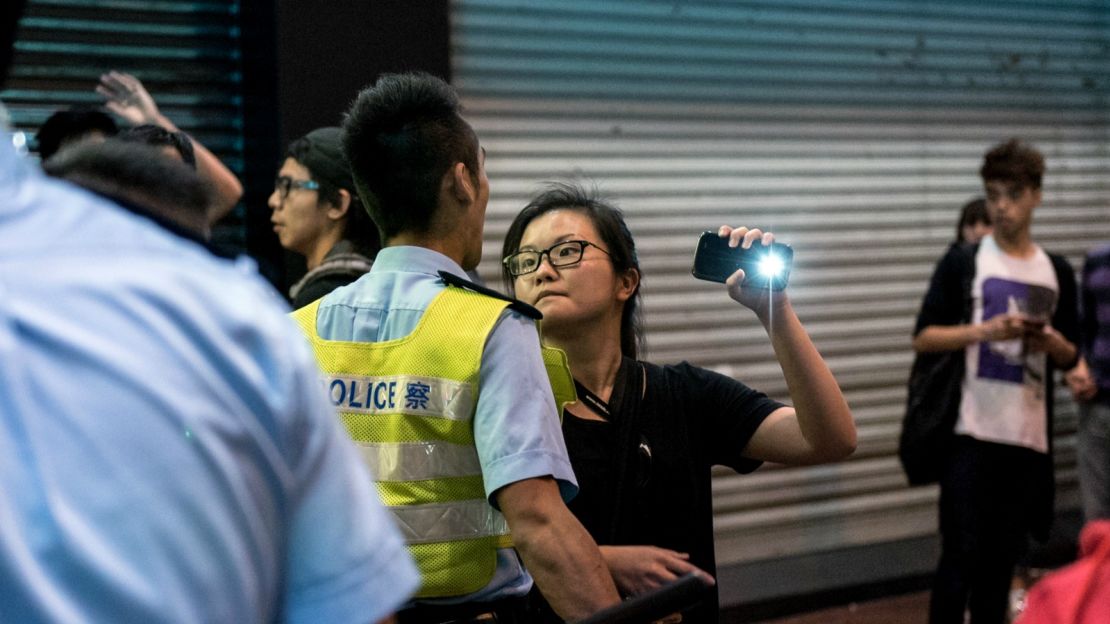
[
  {"x": 126, "y": 96},
  {"x": 757, "y": 299}
]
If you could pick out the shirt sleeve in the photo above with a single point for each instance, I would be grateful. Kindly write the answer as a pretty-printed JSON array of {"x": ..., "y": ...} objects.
[
  {"x": 346, "y": 561},
  {"x": 944, "y": 300},
  {"x": 1088, "y": 316},
  {"x": 732, "y": 412},
  {"x": 516, "y": 426},
  {"x": 1066, "y": 318}
]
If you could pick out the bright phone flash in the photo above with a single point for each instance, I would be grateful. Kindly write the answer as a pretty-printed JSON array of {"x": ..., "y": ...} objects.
[
  {"x": 771, "y": 265},
  {"x": 765, "y": 266}
]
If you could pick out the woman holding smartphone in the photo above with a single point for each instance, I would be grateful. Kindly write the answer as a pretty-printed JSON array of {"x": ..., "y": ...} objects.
[{"x": 642, "y": 438}]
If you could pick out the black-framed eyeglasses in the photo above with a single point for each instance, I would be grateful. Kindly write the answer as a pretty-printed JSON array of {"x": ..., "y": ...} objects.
[
  {"x": 561, "y": 254},
  {"x": 284, "y": 184}
]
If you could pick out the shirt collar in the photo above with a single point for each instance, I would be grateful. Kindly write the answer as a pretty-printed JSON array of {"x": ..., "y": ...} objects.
[{"x": 413, "y": 259}]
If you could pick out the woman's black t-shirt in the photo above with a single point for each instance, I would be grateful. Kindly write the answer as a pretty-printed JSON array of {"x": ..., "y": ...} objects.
[{"x": 689, "y": 420}]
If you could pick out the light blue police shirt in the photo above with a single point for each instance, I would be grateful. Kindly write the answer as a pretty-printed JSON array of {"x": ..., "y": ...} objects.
[
  {"x": 516, "y": 425},
  {"x": 166, "y": 451}
]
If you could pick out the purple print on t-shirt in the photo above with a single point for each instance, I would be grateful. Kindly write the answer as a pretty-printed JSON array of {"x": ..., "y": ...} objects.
[{"x": 1004, "y": 360}]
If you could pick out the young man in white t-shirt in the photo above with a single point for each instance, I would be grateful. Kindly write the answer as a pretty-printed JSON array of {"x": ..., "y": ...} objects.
[{"x": 997, "y": 484}]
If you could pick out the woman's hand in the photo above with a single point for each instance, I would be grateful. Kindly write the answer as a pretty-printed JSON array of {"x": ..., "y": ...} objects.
[
  {"x": 757, "y": 299},
  {"x": 640, "y": 569}
]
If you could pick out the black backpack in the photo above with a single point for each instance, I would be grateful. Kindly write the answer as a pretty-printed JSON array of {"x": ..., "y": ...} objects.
[{"x": 933, "y": 399}]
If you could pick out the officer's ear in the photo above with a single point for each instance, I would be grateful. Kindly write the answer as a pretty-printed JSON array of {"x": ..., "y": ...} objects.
[{"x": 463, "y": 186}]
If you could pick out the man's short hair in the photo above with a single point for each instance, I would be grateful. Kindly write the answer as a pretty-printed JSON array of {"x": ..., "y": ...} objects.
[
  {"x": 401, "y": 136},
  {"x": 1015, "y": 162},
  {"x": 135, "y": 174},
  {"x": 157, "y": 136},
  {"x": 69, "y": 124}
]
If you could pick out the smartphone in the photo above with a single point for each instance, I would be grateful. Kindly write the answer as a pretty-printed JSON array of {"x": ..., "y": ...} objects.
[
  {"x": 765, "y": 266},
  {"x": 1033, "y": 326}
]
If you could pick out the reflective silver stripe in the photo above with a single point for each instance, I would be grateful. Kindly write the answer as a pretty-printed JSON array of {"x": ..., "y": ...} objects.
[
  {"x": 449, "y": 522},
  {"x": 418, "y": 461},
  {"x": 422, "y": 396}
]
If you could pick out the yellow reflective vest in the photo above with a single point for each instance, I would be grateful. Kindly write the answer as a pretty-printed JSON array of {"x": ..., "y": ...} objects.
[{"x": 409, "y": 406}]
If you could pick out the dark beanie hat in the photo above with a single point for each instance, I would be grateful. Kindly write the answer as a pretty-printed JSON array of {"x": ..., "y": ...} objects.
[{"x": 321, "y": 151}]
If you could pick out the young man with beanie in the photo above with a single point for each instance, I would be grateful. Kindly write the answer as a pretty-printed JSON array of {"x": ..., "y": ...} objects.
[
  {"x": 996, "y": 486},
  {"x": 316, "y": 213}
]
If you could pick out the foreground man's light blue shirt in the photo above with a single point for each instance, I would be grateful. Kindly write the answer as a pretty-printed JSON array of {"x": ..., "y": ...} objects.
[
  {"x": 516, "y": 426},
  {"x": 166, "y": 451}
]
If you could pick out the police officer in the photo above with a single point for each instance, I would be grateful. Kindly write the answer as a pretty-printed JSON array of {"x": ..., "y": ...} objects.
[{"x": 442, "y": 384}]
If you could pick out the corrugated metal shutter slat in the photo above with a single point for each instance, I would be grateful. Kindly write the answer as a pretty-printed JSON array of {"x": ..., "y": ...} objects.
[
  {"x": 854, "y": 129},
  {"x": 186, "y": 53}
]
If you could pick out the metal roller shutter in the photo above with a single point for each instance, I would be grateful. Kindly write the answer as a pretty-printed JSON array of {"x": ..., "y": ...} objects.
[
  {"x": 186, "y": 54},
  {"x": 853, "y": 129}
]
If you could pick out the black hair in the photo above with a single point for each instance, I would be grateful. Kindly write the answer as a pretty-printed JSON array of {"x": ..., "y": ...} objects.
[
  {"x": 1014, "y": 162},
  {"x": 69, "y": 124},
  {"x": 157, "y": 136},
  {"x": 974, "y": 211},
  {"x": 298, "y": 150},
  {"x": 401, "y": 136},
  {"x": 614, "y": 232},
  {"x": 137, "y": 174}
]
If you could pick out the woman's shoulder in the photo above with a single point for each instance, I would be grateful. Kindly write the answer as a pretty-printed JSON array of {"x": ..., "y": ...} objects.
[{"x": 684, "y": 375}]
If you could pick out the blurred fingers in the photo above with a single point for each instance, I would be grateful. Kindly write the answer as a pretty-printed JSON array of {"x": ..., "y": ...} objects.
[
  {"x": 751, "y": 236},
  {"x": 735, "y": 279},
  {"x": 127, "y": 80},
  {"x": 736, "y": 236}
]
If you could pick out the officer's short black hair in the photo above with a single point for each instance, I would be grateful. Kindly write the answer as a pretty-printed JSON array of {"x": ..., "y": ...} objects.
[{"x": 401, "y": 136}]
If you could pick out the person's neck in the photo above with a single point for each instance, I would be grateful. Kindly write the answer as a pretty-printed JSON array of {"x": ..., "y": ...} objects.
[
  {"x": 323, "y": 245},
  {"x": 1019, "y": 245},
  {"x": 594, "y": 355},
  {"x": 450, "y": 246}
]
